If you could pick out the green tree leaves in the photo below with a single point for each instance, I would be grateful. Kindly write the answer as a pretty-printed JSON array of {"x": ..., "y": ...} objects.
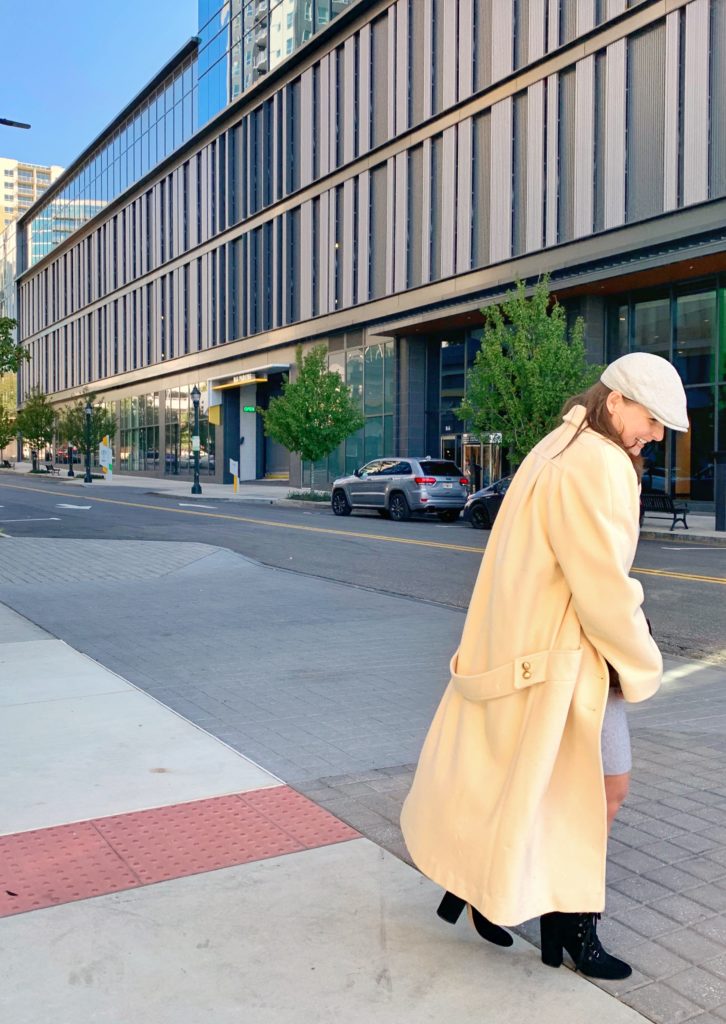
[
  {"x": 12, "y": 355},
  {"x": 528, "y": 365},
  {"x": 315, "y": 411}
]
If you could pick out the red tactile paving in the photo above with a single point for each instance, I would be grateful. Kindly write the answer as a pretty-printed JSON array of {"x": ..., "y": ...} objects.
[{"x": 57, "y": 865}]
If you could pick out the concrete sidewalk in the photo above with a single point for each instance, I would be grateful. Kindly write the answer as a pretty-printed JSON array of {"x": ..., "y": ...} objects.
[{"x": 177, "y": 882}]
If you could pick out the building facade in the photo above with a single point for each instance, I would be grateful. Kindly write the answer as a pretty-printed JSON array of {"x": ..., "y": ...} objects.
[{"x": 371, "y": 189}]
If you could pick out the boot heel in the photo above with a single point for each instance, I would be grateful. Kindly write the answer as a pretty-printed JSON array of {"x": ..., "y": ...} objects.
[
  {"x": 450, "y": 908},
  {"x": 551, "y": 943}
]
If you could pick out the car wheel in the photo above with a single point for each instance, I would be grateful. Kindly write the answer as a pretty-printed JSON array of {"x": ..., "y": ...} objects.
[
  {"x": 383, "y": 513},
  {"x": 479, "y": 518},
  {"x": 398, "y": 508},
  {"x": 449, "y": 516},
  {"x": 340, "y": 504}
]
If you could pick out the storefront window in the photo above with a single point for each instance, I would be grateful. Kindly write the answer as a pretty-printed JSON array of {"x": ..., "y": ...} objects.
[
  {"x": 651, "y": 327},
  {"x": 139, "y": 434},
  {"x": 695, "y": 337},
  {"x": 179, "y": 426}
]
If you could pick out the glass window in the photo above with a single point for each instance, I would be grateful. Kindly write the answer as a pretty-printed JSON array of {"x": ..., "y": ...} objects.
[
  {"x": 695, "y": 337},
  {"x": 373, "y": 401},
  {"x": 373, "y": 436},
  {"x": 651, "y": 326},
  {"x": 354, "y": 374}
]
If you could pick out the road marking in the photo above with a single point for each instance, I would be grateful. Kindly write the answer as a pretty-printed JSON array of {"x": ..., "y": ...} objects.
[
  {"x": 194, "y": 504},
  {"x": 46, "y": 519},
  {"x": 463, "y": 548},
  {"x": 73, "y": 506},
  {"x": 669, "y": 547}
]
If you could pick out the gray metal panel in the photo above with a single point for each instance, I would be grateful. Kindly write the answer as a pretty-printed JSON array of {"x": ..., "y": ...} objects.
[
  {"x": 585, "y": 16},
  {"x": 280, "y": 140},
  {"x": 427, "y": 59},
  {"x": 364, "y": 210},
  {"x": 615, "y": 84},
  {"x": 306, "y": 258},
  {"x": 348, "y": 240},
  {"x": 392, "y": 84},
  {"x": 349, "y": 103},
  {"x": 193, "y": 240},
  {"x": 670, "y": 137},
  {"x": 324, "y": 117},
  {"x": 718, "y": 99},
  {"x": 584, "y": 144},
  {"x": 451, "y": 55},
  {"x": 466, "y": 48},
  {"x": 464, "y": 170},
  {"x": 535, "y": 165},
  {"x": 551, "y": 186},
  {"x": 401, "y": 78},
  {"x": 695, "y": 103},
  {"x": 333, "y": 59},
  {"x": 193, "y": 305},
  {"x": 324, "y": 251},
  {"x": 536, "y": 29},
  {"x": 364, "y": 90},
  {"x": 306, "y": 128},
  {"x": 500, "y": 243},
  {"x": 553, "y": 25},
  {"x": 205, "y": 193},
  {"x": 390, "y": 220},
  {"x": 426, "y": 212},
  {"x": 401, "y": 234},
  {"x": 616, "y": 7},
  {"x": 644, "y": 174},
  {"x": 482, "y": 44},
  {"x": 278, "y": 270},
  {"x": 502, "y": 39},
  {"x": 448, "y": 203}
]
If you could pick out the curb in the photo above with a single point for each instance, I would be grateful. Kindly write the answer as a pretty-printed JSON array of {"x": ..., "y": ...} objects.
[{"x": 718, "y": 539}]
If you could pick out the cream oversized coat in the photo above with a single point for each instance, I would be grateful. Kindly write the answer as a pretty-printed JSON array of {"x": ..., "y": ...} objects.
[{"x": 507, "y": 807}]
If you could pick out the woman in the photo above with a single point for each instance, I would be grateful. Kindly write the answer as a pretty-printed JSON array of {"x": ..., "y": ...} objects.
[{"x": 513, "y": 796}]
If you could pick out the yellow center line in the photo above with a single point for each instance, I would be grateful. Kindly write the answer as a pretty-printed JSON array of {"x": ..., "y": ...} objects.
[{"x": 467, "y": 549}]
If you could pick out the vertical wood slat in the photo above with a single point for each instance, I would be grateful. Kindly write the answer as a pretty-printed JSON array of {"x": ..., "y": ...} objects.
[
  {"x": 364, "y": 194},
  {"x": 551, "y": 184},
  {"x": 466, "y": 48},
  {"x": 401, "y": 236}
]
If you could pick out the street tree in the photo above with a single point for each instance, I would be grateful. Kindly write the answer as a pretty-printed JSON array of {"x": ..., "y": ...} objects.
[
  {"x": 528, "y": 365},
  {"x": 72, "y": 424},
  {"x": 315, "y": 412},
  {"x": 12, "y": 355},
  {"x": 8, "y": 429},
  {"x": 36, "y": 422}
]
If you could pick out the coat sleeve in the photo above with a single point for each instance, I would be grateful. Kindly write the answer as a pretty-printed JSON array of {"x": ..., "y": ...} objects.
[{"x": 594, "y": 533}]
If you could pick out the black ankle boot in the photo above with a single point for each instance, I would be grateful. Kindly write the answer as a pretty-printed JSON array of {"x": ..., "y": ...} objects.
[
  {"x": 451, "y": 907},
  {"x": 577, "y": 933}
]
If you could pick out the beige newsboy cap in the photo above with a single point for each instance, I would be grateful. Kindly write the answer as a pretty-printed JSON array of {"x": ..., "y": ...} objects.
[{"x": 654, "y": 383}]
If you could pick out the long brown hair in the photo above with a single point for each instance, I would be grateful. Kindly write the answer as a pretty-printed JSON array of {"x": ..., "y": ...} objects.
[{"x": 598, "y": 418}]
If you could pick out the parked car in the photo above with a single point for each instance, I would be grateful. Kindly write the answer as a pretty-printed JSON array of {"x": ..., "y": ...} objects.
[
  {"x": 398, "y": 488},
  {"x": 482, "y": 507}
]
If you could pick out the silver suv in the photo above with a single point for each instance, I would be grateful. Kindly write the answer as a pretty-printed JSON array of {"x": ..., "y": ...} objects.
[{"x": 398, "y": 488}]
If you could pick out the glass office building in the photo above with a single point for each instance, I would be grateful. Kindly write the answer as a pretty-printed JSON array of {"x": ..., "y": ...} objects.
[{"x": 368, "y": 175}]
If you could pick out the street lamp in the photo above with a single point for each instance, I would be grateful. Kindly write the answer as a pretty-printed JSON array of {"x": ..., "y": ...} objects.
[
  {"x": 196, "y": 395},
  {"x": 70, "y": 460},
  {"x": 88, "y": 479}
]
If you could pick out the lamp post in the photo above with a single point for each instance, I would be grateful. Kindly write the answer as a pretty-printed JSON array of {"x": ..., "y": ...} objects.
[
  {"x": 89, "y": 413},
  {"x": 70, "y": 460},
  {"x": 196, "y": 395}
]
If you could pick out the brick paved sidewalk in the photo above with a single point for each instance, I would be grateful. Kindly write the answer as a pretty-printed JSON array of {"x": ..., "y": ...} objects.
[{"x": 349, "y": 739}]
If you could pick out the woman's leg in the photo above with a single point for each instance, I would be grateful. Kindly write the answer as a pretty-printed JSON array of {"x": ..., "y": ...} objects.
[{"x": 616, "y": 789}]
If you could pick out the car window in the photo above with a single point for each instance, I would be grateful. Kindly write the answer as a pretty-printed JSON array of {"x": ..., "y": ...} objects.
[
  {"x": 388, "y": 467},
  {"x": 442, "y": 468},
  {"x": 372, "y": 468},
  {"x": 400, "y": 469}
]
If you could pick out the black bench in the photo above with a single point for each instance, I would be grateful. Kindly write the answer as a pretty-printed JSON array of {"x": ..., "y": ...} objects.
[
  {"x": 662, "y": 506},
  {"x": 53, "y": 470}
]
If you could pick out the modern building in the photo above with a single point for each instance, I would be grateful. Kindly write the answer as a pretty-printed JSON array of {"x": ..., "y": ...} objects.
[
  {"x": 22, "y": 185},
  {"x": 368, "y": 175}
]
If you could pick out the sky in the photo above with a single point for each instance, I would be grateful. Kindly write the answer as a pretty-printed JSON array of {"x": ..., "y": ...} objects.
[{"x": 69, "y": 66}]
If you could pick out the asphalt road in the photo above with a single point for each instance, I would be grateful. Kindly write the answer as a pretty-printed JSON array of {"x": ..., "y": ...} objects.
[{"x": 425, "y": 560}]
